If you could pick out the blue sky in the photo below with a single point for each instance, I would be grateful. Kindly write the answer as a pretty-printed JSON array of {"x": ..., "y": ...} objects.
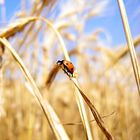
[{"x": 110, "y": 20}]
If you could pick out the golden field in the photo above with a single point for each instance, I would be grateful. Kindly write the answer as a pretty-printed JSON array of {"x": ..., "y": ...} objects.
[{"x": 35, "y": 108}]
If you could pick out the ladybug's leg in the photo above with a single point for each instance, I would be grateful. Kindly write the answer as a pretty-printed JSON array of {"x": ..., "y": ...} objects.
[{"x": 65, "y": 69}]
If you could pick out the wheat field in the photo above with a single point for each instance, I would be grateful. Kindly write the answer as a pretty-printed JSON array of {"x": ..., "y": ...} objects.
[{"x": 38, "y": 101}]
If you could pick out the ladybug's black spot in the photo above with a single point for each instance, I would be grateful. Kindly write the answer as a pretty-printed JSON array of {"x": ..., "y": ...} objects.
[
  {"x": 66, "y": 63},
  {"x": 71, "y": 69}
]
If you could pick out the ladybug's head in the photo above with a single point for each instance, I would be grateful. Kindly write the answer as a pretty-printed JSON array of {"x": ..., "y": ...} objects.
[{"x": 59, "y": 62}]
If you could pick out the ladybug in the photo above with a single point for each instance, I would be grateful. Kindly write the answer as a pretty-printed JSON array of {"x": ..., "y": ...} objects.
[{"x": 67, "y": 67}]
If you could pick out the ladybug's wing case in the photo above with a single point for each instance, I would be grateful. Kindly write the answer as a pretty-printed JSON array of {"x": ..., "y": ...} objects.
[
  {"x": 69, "y": 66},
  {"x": 71, "y": 69}
]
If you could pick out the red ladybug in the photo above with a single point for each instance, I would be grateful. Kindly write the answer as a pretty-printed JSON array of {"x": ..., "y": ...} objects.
[{"x": 67, "y": 66}]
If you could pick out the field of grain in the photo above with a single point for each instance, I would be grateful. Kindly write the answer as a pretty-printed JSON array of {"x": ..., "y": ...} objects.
[{"x": 38, "y": 101}]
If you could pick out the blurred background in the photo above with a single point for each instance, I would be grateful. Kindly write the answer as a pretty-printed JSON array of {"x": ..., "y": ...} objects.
[{"x": 94, "y": 37}]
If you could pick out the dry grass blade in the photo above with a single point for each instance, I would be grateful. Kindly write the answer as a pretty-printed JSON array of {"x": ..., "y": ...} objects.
[
  {"x": 80, "y": 123},
  {"x": 95, "y": 113},
  {"x": 130, "y": 43},
  {"x": 16, "y": 27},
  {"x": 36, "y": 91}
]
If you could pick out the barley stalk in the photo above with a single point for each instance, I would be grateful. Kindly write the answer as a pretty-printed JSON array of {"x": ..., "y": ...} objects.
[
  {"x": 79, "y": 99},
  {"x": 130, "y": 43},
  {"x": 59, "y": 133}
]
